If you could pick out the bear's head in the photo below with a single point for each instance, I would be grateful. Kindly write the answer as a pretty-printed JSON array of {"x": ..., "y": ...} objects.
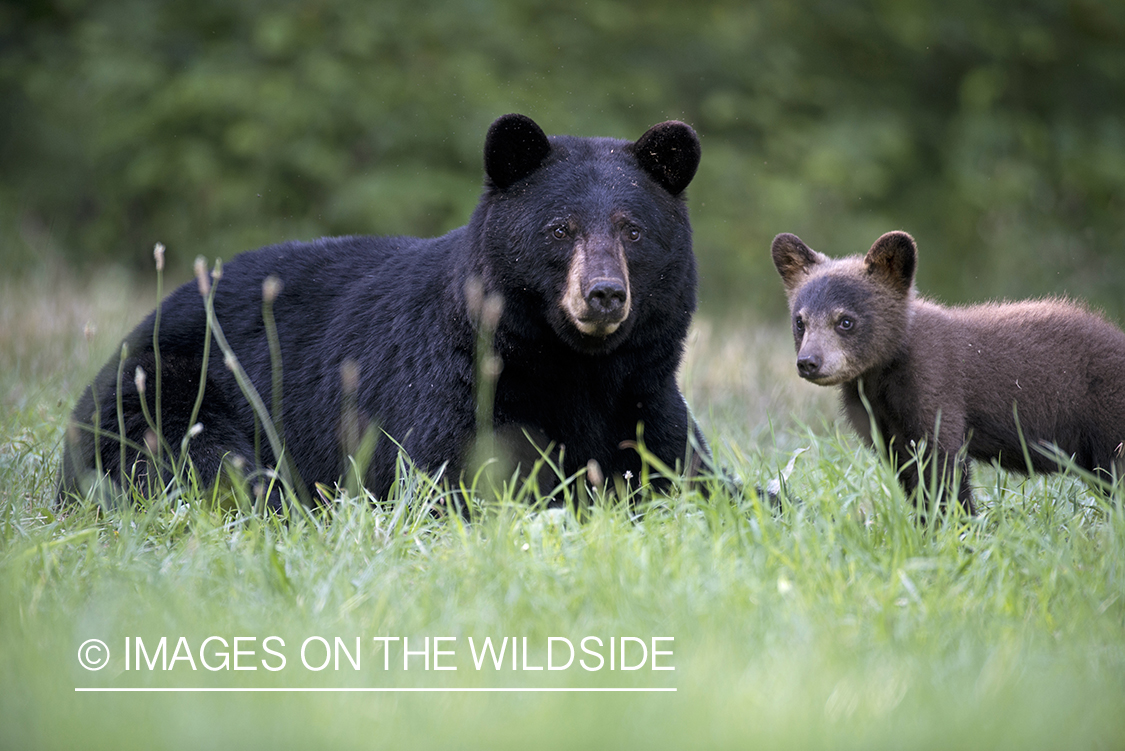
[
  {"x": 849, "y": 315},
  {"x": 589, "y": 237}
]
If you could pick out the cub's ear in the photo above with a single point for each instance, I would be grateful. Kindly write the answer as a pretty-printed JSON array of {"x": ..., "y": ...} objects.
[
  {"x": 514, "y": 148},
  {"x": 793, "y": 259},
  {"x": 669, "y": 152},
  {"x": 893, "y": 259}
]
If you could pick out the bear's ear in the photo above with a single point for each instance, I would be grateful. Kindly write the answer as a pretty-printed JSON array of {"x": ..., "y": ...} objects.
[
  {"x": 669, "y": 153},
  {"x": 893, "y": 259},
  {"x": 514, "y": 148},
  {"x": 793, "y": 259}
]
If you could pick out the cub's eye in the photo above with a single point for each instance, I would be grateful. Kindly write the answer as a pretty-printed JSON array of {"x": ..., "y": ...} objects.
[
  {"x": 799, "y": 323},
  {"x": 845, "y": 324},
  {"x": 633, "y": 233},
  {"x": 560, "y": 232}
]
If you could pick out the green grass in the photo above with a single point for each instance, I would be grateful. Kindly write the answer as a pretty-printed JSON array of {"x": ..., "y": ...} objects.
[{"x": 836, "y": 622}]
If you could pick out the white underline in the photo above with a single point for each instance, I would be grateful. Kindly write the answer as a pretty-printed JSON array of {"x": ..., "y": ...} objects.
[{"x": 503, "y": 689}]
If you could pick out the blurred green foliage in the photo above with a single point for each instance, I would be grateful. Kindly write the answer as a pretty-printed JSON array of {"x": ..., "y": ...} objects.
[{"x": 993, "y": 131}]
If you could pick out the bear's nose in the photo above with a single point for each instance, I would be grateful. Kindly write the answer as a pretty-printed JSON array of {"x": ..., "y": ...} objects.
[
  {"x": 808, "y": 365},
  {"x": 606, "y": 297}
]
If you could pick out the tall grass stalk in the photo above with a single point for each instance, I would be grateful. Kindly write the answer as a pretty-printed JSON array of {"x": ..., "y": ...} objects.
[
  {"x": 158, "y": 367},
  {"x": 122, "y": 469},
  {"x": 289, "y": 476}
]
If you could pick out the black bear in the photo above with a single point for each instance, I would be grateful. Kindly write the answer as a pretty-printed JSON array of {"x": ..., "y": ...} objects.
[
  {"x": 980, "y": 375},
  {"x": 586, "y": 241}
]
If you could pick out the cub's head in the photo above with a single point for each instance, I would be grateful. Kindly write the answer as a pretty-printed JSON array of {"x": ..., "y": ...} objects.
[
  {"x": 850, "y": 314},
  {"x": 589, "y": 236}
]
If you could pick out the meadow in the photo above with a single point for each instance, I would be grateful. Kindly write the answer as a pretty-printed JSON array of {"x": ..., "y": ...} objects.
[{"x": 831, "y": 620}]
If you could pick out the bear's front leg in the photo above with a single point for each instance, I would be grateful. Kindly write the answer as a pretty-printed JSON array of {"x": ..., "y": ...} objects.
[{"x": 667, "y": 430}]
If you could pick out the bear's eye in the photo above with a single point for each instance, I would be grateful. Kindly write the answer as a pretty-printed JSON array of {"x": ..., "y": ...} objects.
[
  {"x": 560, "y": 232},
  {"x": 799, "y": 323},
  {"x": 845, "y": 324},
  {"x": 633, "y": 233}
]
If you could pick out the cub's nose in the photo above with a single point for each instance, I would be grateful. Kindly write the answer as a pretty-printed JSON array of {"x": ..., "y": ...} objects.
[
  {"x": 808, "y": 365},
  {"x": 606, "y": 297}
]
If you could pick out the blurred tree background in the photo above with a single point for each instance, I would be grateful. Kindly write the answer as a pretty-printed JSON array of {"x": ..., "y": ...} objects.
[{"x": 993, "y": 131}]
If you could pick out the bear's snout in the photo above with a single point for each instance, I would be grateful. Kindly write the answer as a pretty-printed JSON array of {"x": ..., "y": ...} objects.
[
  {"x": 606, "y": 298},
  {"x": 597, "y": 298},
  {"x": 808, "y": 366}
]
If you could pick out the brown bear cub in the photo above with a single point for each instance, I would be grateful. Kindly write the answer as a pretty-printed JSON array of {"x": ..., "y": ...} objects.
[{"x": 967, "y": 372}]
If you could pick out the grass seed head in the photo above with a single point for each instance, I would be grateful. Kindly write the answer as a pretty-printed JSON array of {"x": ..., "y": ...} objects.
[
  {"x": 349, "y": 376},
  {"x": 271, "y": 288},
  {"x": 491, "y": 366},
  {"x": 474, "y": 297},
  {"x": 490, "y": 312},
  {"x": 594, "y": 473},
  {"x": 201, "y": 276}
]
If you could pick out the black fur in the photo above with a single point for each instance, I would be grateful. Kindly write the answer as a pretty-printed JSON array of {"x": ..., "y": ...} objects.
[{"x": 396, "y": 306}]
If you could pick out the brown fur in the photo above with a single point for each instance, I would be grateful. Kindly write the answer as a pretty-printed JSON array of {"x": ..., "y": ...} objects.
[{"x": 970, "y": 371}]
